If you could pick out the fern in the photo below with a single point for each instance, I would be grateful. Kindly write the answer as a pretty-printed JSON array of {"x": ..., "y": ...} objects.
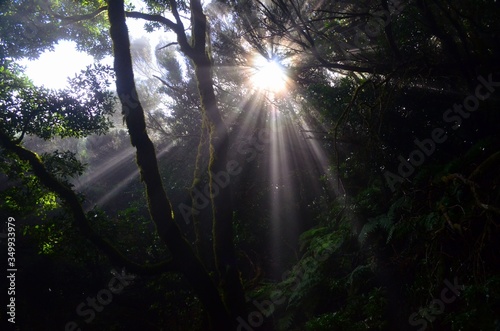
[
  {"x": 285, "y": 323},
  {"x": 357, "y": 273},
  {"x": 367, "y": 229},
  {"x": 303, "y": 289},
  {"x": 308, "y": 236},
  {"x": 384, "y": 222}
]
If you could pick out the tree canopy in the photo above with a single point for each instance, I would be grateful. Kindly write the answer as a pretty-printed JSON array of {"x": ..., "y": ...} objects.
[{"x": 263, "y": 165}]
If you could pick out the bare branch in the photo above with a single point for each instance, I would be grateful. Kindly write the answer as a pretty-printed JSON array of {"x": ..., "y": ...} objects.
[
  {"x": 178, "y": 27},
  {"x": 153, "y": 18},
  {"x": 167, "y": 45}
]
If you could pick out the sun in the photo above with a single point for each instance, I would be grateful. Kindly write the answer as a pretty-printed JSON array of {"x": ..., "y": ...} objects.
[{"x": 268, "y": 75}]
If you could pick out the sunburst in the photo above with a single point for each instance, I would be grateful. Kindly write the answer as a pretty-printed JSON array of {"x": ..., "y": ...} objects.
[{"x": 268, "y": 75}]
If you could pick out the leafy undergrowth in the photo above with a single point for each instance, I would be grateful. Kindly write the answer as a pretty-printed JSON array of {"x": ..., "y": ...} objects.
[{"x": 430, "y": 261}]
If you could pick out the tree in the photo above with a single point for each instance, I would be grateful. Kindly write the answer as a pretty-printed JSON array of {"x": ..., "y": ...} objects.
[
  {"x": 183, "y": 258},
  {"x": 160, "y": 209},
  {"x": 370, "y": 80}
]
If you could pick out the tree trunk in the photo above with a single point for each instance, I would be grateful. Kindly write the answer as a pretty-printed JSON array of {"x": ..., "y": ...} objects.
[
  {"x": 220, "y": 177},
  {"x": 160, "y": 209},
  {"x": 221, "y": 197}
]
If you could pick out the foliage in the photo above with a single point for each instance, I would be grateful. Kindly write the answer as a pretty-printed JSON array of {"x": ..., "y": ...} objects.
[
  {"x": 29, "y": 27},
  {"x": 24, "y": 195},
  {"x": 368, "y": 256},
  {"x": 63, "y": 164},
  {"x": 77, "y": 112}
]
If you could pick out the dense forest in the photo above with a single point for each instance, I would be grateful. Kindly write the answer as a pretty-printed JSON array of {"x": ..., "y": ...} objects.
[{"x": 252, "y": 165}]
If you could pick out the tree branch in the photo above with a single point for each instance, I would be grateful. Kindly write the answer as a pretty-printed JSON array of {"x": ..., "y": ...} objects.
[
  {"x": 69, "y": 197},
  {"x": 164, "y": 82},
  {"x": 178, "y": 27},
  {"x": 153, "y": 18},
  {"x": 167, "y": 45},
  {"x": 78, "y": 18}
]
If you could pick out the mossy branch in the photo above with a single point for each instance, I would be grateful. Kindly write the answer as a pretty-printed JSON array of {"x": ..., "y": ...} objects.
[{"x": 70, "y": 199}]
